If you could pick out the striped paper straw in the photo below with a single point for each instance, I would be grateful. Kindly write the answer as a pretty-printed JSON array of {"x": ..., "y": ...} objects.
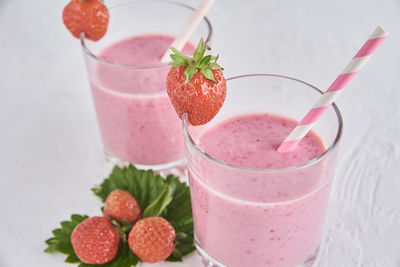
[
  {"x": 334, "y": 90},
  {"x": 188, "y": 29}
]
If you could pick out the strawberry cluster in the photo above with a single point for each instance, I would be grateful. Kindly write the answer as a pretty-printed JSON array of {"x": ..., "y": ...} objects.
[
  {"x": 147, "y": 217},
  {"x": 96, "y": 240}
]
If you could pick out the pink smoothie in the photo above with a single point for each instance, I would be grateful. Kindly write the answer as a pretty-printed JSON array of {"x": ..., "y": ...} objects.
[
  {"x": 137, "y": 121},
  {"x": 254, "y": 218}
]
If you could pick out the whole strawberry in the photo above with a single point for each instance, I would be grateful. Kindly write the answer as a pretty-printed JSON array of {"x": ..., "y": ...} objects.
[
  {"x": 122, "y": 206},
  {"x": 196, "y": 85},
  {"x": 95, "y": 241},
  {"x": 152, "y": 239},
  {"x": 87, "y": 16}
]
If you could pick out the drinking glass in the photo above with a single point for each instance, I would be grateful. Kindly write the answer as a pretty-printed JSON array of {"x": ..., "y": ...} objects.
[
  {"x": 262, "y": 217},
  {"x": 136, "y": 119}
]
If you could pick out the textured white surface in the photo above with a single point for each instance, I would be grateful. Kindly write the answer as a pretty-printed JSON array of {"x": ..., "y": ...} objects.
[{"x": 50, "y": 147}]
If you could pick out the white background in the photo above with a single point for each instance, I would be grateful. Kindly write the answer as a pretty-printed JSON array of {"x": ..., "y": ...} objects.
[{"x": 50, "y": 148}]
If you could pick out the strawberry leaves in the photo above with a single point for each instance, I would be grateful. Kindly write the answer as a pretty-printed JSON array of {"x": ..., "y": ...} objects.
[
  {"x": 144, "y": 185},
  {"x": 156, "y": 196},
  {"x": 198, "y": 62},
  {"x": 179, "y": 214},
  {"x": 158, "y": 205},
  {"x": 61, "y": 240}
]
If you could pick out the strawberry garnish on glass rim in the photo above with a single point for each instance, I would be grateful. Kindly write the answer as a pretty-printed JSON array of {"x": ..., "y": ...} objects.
[
  {"x": 196, "y": 85},
  {"x": 90, "y": 17}
]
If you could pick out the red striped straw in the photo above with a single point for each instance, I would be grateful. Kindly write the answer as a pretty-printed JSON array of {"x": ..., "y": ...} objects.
[{"x": 334, "y": 90}]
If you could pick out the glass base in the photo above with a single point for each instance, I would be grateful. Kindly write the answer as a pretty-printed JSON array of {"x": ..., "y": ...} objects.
[
  {"x": 177, "y": 168},
  {"x": 208, "y": 261}
]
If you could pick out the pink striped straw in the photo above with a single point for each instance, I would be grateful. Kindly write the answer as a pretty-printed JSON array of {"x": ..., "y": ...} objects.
[
  {"x": 189, "y": 28},
  {"x": 334, "y": 90}
]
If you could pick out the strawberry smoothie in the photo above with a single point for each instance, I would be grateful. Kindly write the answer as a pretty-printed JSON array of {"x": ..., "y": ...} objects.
[
  {"x": 253, "y": 217},
  {"x": 137, "y": 121}
]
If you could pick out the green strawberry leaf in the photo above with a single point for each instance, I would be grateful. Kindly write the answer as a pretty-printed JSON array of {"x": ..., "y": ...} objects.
[
  {"x": 208, "y": 74},
  {"x": 204, "y": 62},
  {"x": 61, "y": 241},
  {"x": 189, "y": 72},
  {"x": 179, "y": 214},
  {"x": 200, "y": 50},
  {"x": 215, "y": 66},
  {"x": 157, "y": 207},
  {"x": 72, "y": 259},
  {"x": 215, "y": 58},
  {"x": 144, "y": 185},
  {"x": 178, "y": 61},
  {"x": 177, "y": 52},
  {"x": 198, "y": 62}
]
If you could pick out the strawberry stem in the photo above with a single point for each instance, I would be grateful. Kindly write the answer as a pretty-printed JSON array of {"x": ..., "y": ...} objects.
[{"x": 119, "y": 229}]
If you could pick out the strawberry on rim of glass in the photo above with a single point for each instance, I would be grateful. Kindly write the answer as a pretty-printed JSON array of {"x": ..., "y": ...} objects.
[
  {"x": 196, "y": 85},
  {"x": 90, "y": 17}
]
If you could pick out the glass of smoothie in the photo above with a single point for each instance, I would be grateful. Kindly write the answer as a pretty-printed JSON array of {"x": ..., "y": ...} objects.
[
  {"x": 253, "y": 206},
  {"x": 136, "y": 119}
]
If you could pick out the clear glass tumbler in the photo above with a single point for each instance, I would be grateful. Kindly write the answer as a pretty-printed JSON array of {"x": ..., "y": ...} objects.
[
  {"x": 262, "y": 217},
  {"x": 136, "y": 119}
]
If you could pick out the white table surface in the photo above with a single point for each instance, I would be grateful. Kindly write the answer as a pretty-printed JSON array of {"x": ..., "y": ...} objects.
[{"x": 51, "y": 150}]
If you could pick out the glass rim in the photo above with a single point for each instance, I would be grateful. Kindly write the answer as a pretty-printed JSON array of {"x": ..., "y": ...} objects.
[
  {"x": 88, "y": 52},
  {"x": 306, "y": 164}
]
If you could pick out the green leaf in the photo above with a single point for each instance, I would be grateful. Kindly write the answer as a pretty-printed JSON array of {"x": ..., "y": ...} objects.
[
  {"x": 179, "y": 214},
  {"x": 216, "y": 58},
  {"x": 51, "y": 241},
  {"x": 77, "y": 219},
  {"x": 178, "y": 61},
  {"x": 67, "y": 226},
  {"x": 181, "y": 235},
  {"x": 173, "y": 64},
  {"x": 176, "y": 254},
  {"x": 144, "y": 185},
  {"x": 61, "y": 240},
  {"x": 176, "y": 52},
  {"x": 204, "y": 62},
  {"x": 157, "y": 207},
  {"x": 72, "y": 259},
  {"x": 189, "y": 72},
  {"x": 50, "y": 249},
  {"x": 65, "y": 247},
  {"x": 215, "y": 66},
  {"x": 208, "y": 74},
  {"x": 200, "y": 50}
]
